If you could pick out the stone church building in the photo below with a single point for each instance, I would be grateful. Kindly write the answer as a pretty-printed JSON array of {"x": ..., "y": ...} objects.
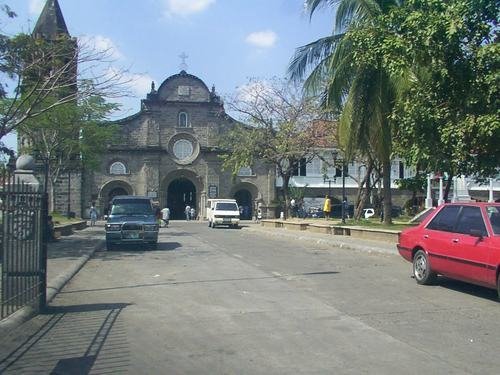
[{"x": 167, "y": 151}]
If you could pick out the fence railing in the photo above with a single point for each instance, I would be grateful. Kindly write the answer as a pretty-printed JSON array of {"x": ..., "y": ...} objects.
[{"x": 23, "y": 252}]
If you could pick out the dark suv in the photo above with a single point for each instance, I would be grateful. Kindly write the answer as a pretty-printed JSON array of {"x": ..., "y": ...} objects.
[{"x": 131, "y": 220}]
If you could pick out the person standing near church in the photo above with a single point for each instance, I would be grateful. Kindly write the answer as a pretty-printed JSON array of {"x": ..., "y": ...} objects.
[
  {"x": 93, "y": 215},
  {"x": 165, "y": 216},
  {"x": 327, "y": 207},
  {"x": 187, "y": 212}
]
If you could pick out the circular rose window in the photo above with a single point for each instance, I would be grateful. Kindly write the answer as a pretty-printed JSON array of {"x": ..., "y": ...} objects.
[{"x": 183, "y": 149}]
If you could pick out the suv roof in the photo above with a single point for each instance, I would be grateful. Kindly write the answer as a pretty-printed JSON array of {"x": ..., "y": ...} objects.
[{"x": 138, "y": 197}]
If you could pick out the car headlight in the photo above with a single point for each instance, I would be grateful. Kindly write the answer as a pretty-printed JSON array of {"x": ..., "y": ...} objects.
[
  {"x": 113, "y": 227},
  {"x": 150, "y": 227}
]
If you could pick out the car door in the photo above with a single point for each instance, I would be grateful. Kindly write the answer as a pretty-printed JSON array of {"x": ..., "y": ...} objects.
[
  {"x": 471, "y": 246},
  {"x": 438, "y": 238}
]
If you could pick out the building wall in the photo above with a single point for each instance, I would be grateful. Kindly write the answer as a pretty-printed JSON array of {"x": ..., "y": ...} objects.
[{"x": 146, "y": 145}]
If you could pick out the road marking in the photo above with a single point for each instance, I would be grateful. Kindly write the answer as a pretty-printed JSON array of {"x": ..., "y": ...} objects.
[
  {"x": 277, "y": 274},
  {"x": 238, "y": 256}
]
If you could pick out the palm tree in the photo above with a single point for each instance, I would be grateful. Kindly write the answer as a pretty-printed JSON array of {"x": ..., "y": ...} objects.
[{"x": 363, "y": 93}]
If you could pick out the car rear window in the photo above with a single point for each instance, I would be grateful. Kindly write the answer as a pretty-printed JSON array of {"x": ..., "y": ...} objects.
[
  {"x": 227, "y": 206},
  {"x": 132, "y": 207}
]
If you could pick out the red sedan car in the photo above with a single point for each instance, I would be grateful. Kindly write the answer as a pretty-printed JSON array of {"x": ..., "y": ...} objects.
[{"x": 457, "y": 240}]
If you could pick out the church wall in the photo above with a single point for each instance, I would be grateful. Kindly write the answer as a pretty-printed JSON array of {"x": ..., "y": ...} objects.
[{"x": 75, "y": 194}]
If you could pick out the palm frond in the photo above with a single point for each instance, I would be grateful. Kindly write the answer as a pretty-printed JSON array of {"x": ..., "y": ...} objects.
[{"x": 311, "y": 54}]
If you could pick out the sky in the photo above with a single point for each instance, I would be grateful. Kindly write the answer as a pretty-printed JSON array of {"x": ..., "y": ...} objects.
[{"x": 227, "y": 41}]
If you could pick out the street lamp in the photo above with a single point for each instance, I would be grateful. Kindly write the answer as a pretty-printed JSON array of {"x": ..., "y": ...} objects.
[{"x": 335, "y": 155}]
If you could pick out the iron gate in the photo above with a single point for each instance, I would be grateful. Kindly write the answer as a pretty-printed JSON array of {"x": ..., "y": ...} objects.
[{"x": 23, "y": 253}]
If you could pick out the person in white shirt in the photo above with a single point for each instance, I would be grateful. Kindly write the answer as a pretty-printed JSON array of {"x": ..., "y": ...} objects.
[{"x": 165, "y": 216}]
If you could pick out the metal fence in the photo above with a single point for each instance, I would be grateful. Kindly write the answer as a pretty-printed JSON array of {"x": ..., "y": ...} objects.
[{"x": 23, "y": 253}]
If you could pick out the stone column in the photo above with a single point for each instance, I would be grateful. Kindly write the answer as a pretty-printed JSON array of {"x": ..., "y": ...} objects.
[
  {"x": 462, "y": 190},
  {"x": 151, "y": 178},
  {"x": 203, "y": 205},
  {"x": 24, "y": 173}
]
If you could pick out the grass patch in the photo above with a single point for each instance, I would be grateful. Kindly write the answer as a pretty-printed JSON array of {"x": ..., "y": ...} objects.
[{"x": 59, "y": 218}]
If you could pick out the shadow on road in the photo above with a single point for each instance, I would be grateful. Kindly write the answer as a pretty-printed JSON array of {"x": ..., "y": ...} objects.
[
  {"x": 470, "y": 289},
  {"x": 71, "y": 340}
]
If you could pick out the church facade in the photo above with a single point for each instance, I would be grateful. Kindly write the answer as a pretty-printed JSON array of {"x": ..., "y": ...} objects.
[{"x": 169, "y": 152}]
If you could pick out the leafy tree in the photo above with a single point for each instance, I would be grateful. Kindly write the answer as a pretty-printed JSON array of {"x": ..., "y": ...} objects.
[
  {"x": 278, "y": 132},
  {"x": 353, "y": 81},
  {"x": 447, "y": 117},
  {"x": 42, "y": 75},
  {"x": 68, "y": 137}
]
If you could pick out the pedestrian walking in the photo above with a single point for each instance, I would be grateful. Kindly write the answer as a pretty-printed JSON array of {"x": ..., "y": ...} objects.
[
  {"x": 93, "y": 215},
  {"x": 327, "y": 207},
  {"x": 187, "y": 212},
  {"x": 165, "y": 215},
  {"x": 192, "y": 213}
]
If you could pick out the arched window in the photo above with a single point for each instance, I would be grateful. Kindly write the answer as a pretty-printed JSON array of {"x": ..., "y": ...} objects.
[
  {"x": 117, "y": 168},
  {"x": 183, "y": 120}
]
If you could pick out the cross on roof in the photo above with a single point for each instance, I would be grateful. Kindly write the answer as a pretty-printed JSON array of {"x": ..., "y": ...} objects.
[{"x": 183, "y": 57}]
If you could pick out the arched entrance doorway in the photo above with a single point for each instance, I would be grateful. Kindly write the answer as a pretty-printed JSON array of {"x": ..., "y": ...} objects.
[
  {"x": 116, "y": 191},
  {"x": 111, "y": 190},
  {"x": 244, "y": 200},
  {"x": 181, "y": 192}
]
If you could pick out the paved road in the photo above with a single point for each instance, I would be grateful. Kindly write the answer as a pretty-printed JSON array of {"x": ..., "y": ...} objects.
[{"x": 220, "y": 301}]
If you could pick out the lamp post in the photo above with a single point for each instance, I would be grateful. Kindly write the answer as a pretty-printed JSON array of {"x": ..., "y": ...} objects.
[
  {"x": 69, "y": 194},
  {"x": 335, "y": 155}
]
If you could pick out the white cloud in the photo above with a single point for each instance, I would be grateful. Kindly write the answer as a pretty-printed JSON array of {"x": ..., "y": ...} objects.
[
  {"x": 186, "y": 7},
  {"x": 36, "y": 6},
  {"x": 262, "y": 39},
  {"x": 139, "y": 83},
  {"x": 252, "y": 91},
  {"x": 101, "y": 44}
]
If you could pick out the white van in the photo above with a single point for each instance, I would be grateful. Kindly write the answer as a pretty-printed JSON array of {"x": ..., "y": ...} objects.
[{"x": 223, "y": 212}]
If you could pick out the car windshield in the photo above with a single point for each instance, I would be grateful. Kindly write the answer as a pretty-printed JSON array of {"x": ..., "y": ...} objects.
[
  {"x": 131, "y": 207},
  {"x": 494, "y": 217},
  {"x": 227, "y": 206}
]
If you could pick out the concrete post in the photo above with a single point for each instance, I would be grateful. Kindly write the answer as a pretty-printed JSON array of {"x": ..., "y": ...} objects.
[
  {"x": 441, "y": 198},
  {"x": 490, "y": 191},
  {"x": 455, "y": 190},
  {"x": 428, "y": 198}
]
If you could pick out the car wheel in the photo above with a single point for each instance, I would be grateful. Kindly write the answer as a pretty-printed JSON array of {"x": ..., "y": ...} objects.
[
  {"x": 153, "y": 246},
  {"x": 209, "y": 223},
  {"x": 110, "y": 246},
  {"x": 213, "y": 225},
  {"x": 422, "y": 269}
]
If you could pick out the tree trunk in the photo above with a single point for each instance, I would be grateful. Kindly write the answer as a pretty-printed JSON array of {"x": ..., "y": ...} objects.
[
  {"x": 448, "y": 187},
  {"x": 386, "y": 178},
  {"x": 363, "y": 193},
  {"x": 286, "y": 181}
]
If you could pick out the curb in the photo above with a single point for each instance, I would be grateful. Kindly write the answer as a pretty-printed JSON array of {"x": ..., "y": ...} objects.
[
  {"x": 53, "y": 287},
  {"x": 344, "y": 243}
]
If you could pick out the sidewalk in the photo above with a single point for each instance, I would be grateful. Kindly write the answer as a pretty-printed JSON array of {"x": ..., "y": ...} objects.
[
  {"x": 345, "y": 242},
  {"x": 64, "y": 259}
]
